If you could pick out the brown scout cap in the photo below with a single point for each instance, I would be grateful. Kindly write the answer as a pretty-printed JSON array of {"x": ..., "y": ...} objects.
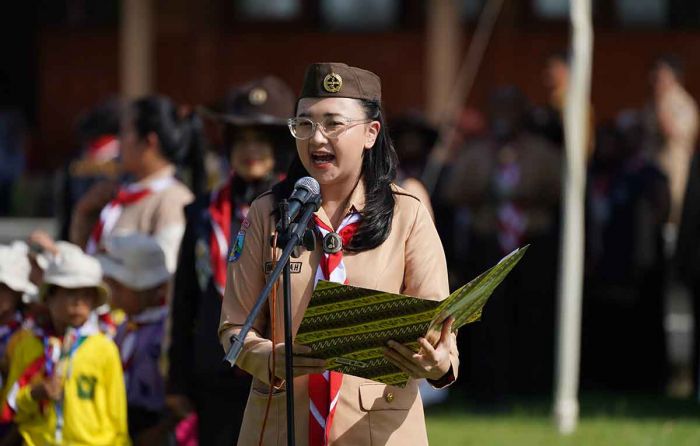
[
  {"x": 264, "y": 101},
  {"x": 329, "y": 79}
]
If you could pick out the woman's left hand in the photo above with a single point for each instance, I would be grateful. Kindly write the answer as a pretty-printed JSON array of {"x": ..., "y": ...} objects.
[{"x": 430, "y": 362}]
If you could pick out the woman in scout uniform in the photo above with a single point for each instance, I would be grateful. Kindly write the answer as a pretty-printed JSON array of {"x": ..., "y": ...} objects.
[
  {"x": 389, "y": 243},
  {"x": 255, "y": 119},
  {"x": 72, "y": 392},
  {"x": 134, "y": 268},
  {"x": 154, "y": 140}
]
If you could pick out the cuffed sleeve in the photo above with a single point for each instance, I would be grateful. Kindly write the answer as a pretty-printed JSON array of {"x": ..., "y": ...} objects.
[
  {"x": 426, "y": 275},
  {"x": 246, "y": 278}
]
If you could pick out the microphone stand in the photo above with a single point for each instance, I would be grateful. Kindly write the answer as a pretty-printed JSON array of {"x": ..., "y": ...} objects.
[{"x": 291, "y": 237}]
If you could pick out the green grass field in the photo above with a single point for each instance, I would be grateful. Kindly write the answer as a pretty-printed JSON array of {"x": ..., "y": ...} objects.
[{"x": 605, "y": 420}]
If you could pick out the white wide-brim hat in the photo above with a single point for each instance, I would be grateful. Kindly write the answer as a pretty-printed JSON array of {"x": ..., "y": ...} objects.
[
  {"x": 135, "y": 260},
  {"x": 71, "y": 268},
  {"x": 15, "y": 269}
]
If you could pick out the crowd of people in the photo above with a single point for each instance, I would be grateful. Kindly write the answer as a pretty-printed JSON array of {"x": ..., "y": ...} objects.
[{"x": 108, "y": 331}]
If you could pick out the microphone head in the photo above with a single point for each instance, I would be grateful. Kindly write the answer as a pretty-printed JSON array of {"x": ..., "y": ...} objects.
[{"x": 309, "y": 184}]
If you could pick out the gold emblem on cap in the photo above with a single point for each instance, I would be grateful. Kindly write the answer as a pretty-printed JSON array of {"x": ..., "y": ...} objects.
[
  {"x": 257, "y": 96},
  {"x": 332, "y": 83}
]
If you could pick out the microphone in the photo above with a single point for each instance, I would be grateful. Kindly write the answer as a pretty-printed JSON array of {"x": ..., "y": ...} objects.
[{"x": 306, "y": 190}]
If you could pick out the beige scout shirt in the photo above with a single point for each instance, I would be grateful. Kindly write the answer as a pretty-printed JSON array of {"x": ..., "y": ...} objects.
[
  {"x": 410, "y": 261},
  {"x": 160, "y": 214}
]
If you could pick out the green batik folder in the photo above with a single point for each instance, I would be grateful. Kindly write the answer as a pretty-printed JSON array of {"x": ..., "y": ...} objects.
[{"x": 349, "y": 326}]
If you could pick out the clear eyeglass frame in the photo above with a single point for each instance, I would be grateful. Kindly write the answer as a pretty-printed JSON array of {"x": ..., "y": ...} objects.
[{"x": 332, "y": 127}]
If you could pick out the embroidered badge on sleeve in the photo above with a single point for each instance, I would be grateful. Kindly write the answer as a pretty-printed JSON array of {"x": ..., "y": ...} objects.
[{"x": 237, "y": 246}]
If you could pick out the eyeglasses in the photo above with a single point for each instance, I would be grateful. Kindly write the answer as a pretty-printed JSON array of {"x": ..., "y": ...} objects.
[{"x": 332, "y": 127}]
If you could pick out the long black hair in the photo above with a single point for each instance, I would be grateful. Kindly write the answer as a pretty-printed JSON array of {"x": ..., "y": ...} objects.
[
  {"x": 180, "y": 135},
  {"x": 378, "y": 172}
]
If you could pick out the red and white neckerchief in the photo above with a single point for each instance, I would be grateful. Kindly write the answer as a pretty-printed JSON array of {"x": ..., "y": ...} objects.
[
  {"x": 220, "y": 216},
  {"x": 105, "y": 322},
  {"x": 126, "y": 341},
  {"x": 57, "y": 358},
  {"x": 126, "y": 196},
  {"x": 324, "y": 388}
]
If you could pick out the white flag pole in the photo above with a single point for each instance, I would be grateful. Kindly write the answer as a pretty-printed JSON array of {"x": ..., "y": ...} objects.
[{"x": 576, "y": 119}]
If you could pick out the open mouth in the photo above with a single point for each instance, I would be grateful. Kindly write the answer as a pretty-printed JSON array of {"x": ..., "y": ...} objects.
[{"x": 322, "y": 158}]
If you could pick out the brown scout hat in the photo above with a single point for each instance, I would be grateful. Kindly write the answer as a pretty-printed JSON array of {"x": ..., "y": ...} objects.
[
  {"x": 267, "y": 101},
  {"x": 329, "y": 79}
]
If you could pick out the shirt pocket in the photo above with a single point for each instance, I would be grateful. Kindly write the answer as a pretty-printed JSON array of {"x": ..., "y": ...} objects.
[
  {"x": 254, "y": 416},
  {"x": 375, "y": 397},
  {"x": 260, "y": 389},
  {"x": 388, "y": 410}
]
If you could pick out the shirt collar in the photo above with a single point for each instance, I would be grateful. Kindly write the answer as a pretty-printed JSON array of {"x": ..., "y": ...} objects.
[
  {"x": 165, "y": 172},
  {"x": 356, "y": 203},
  {"x": 89, "y": 328},
  {"x": 150, "y": 315}
]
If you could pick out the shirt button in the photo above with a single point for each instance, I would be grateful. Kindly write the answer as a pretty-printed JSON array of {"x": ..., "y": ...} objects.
[{"x": 389, "y": 397}]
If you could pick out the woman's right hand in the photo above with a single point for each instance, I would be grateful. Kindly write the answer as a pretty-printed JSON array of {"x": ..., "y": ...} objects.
[{"x": 303, "y": 365}]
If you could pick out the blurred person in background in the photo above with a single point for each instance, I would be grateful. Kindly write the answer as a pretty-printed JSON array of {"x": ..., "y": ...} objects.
[
  {"x": 72, "y": 392},
  {"x": 256, "y": 137},
  {"x": 15, "y": 285},
  {"x": 671, "y": 131},
  {"x": 413, "y": 138},
  {"x": 547, "y": 120},
  {"x": 510, "y": 181},
  {"x": 453, "y": 222},
  {"x": 155, "y": 139},
  {"x": 13, "y": 139},
  {"x": 687, "y": 258},
  {"x": 96, "y": 161},
  {"x": 670, "y": 138},
  {"x": 623, "y": 340},
  {"x": 134, "y": 268}
]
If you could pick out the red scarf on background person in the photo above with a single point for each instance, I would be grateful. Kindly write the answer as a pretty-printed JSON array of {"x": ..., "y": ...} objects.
[
  {"x": 324, "y": 388},
  {"x": 57, "y": 356},
  {"x": 221, "y": 214},
  {"x": 126, "y": 196}
]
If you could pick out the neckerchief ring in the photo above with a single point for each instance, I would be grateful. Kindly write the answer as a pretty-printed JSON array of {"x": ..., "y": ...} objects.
[{"x": 332, "y": 243}]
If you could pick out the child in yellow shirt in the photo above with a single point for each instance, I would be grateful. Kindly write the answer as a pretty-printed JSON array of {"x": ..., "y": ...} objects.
[{"x": 73, "y": 393}]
